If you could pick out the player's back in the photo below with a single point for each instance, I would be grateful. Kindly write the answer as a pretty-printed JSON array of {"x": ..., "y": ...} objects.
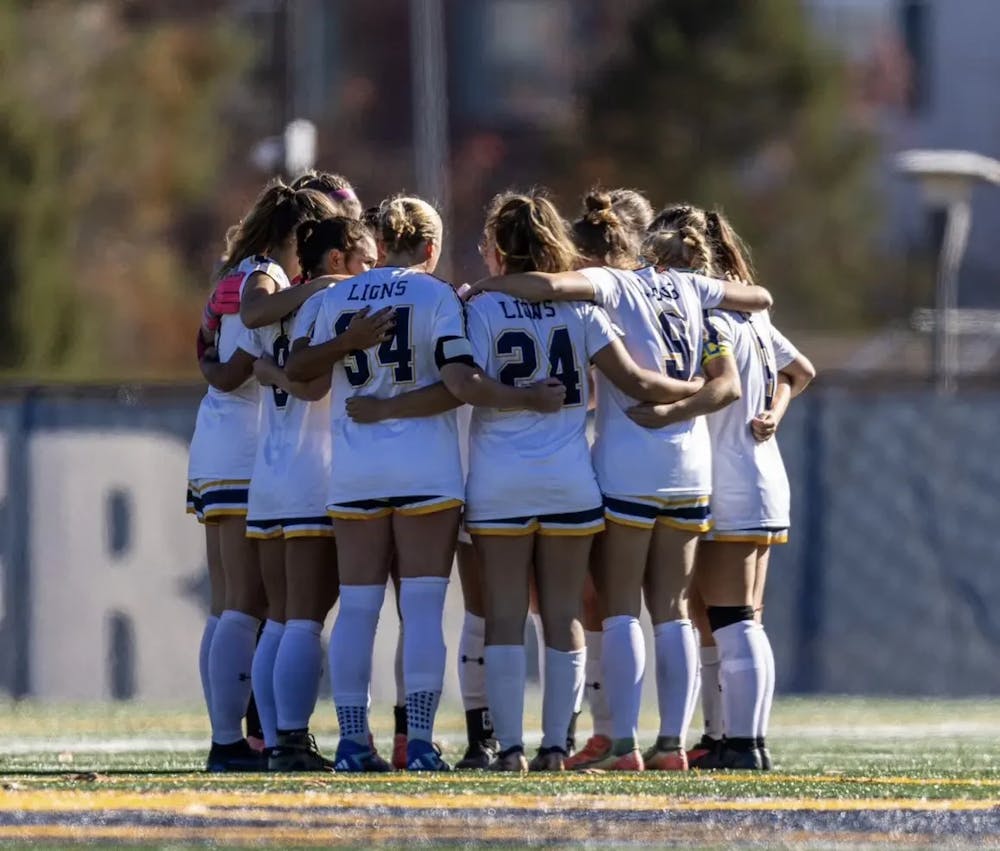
[{"x": 399, "y": 456}]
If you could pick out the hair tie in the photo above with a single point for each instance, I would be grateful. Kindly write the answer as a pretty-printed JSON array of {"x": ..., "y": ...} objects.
[{"x": 345, "y": 194}]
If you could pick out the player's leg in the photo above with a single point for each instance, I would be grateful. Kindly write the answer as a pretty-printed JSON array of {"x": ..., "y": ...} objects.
[
  {"x": 711, "y": 690},
  {"x": 399, "y": 707},
  {"x": 480, "y": 748},
  {"x": 726, "y": 571},
  {"x": 233, "y": 646},
  {"x": 505, "y": 561},
  {"x": 364, "y": 550},
  {"x": 271, "y": 554},
  {"x": 760, "y": 580},
  {"x": 425, "y": 547},
  {"x": 668, "y": 575},
  {"x": 311, "y": 590},
  {"x": 217, "y": 586},
  {"x": 618, "y": 568},
  {"x": 594, "y": 691},
  {"x": 561, "y": 565}
]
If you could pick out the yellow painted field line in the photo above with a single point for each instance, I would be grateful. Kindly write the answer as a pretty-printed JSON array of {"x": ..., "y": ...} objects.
[{"x": 243, "y": 801}]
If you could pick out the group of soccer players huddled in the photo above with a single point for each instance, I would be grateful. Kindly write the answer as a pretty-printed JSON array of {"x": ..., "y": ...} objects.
[{"x": 366, "y": 422}]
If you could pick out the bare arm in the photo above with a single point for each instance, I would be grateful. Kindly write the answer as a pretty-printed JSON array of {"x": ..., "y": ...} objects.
[
  {"x": 263, "y": 303},
  {"x": 792, "y": 380},
  {"x": 721, "y": 389},
  {"x": 643, "y": 384},
  {"x": 307, "y": 362},
  {"x": 270, "y": 374},
  {"x": 538, "y": 286},
  {"x": 745, "y": 298},
  {"x": 229, "y": 375},
  {"x": 474, "y": 387},
  {"x": 425, "y": 402}
]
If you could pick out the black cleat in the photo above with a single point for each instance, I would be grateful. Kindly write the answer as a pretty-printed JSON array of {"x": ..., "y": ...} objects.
[
  {"x": 237, "y": 757},
  {"x": 297, "y": 752},
  {"x": 734, "y": 757},
  {"x": 765, "y": 754},
  {"x": 478, "y": 755},
  {"x": 704, "y": 755}
]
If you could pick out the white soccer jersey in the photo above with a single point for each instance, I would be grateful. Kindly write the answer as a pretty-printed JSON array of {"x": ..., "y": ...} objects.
[
  {"x": 522, "y": 463},
  {"x": 661, "y": 314},
  {"x": 291, "y": 472},
  {"x": 749, "y": 483},
  {"x": 398, "y": 457},
  {"x": 225, "y": 434}
]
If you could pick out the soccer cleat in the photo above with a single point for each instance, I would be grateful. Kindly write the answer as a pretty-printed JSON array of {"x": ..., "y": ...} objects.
[
  {"x": 237, "y": 757},
  {"x": 399, "y": 751},
  {"x": 353, "y": 757},
  {"x": 629, "y": 761},
  {"x": 511, "y": 759},
  {"x": 478, "y": 755},
  {"x": 596, "y": 749},
  {"x": 657, "y": 759},
  {"x": 424, "y": 756},
  {"x": 732, "y": 758},
  {"x": 765, "y": 754},
  {"x": 297, "y": 752},
  {"x": 548, "y": 759},
  {"x": 703, "y": 754}
]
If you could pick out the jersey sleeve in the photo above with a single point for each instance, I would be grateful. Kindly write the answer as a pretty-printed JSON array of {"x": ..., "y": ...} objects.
[
  {"x": 784, "y": 352},
  {"x": 305, "y": 320},
  {"x": 265, "y": 267},
  {"x": 478, "y": 328},
  {"x": 605, "y": 286},
  {"x": 598, "y": 329},
  {"x": 448, "y": 331},
  {"x": 718, "y": 337},
  {"x": 710, "y": 291}
]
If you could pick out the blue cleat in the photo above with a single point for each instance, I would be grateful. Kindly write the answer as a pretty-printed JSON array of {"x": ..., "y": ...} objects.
[
  {"x": 352, "y": 756},
  {"x": 424, "y": 756}
]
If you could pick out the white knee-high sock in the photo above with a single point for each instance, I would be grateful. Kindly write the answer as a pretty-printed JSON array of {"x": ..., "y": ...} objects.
[
  {"x": 536, "y": 622},
  {"x": 203, "y": 652},
  {"x": 741, "y": 671},
  {"x": 711, "y": 692},
  {"x": 563, "y": 675},
  {"x": 768, "y": 701},
  {"x": 472, "y": 663},
  {"x": 597, "y": 684},
  {"x": 262, "y": 678},
  {"x": 421, "y": 600},
  {"x": 676, "y": 664},
  {"x": 398, "y": 670},
  {"x": 351, "y": 644},
  {"x": 624, "y": 658},
  {"x": 229, "y": 663},
  {"x": 505, "y": 680},
  {"x": 297, "y": 669}
]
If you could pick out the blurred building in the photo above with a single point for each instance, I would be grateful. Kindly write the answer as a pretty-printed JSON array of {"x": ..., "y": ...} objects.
[{"x": 932, "y": 78}]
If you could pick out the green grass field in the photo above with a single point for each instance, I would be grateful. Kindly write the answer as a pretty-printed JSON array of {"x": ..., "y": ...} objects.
[{"x": 849, "y": 773}]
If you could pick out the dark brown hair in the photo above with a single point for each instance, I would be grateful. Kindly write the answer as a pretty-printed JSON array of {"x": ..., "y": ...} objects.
[
  {"x": 316, "y": 238},
  {"x": 275, "y": 215},
  {"x": 529, "y": 233},
  {"x": 336, "y": 187}
]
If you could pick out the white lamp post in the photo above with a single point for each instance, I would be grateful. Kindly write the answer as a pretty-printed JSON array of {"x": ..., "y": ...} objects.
[{"x": 946, "y": 179}]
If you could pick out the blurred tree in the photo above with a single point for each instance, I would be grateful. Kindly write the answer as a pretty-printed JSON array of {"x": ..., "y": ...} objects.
[
  {"x": 111, "y": 131},
  {"x": 737, "y": 105}
]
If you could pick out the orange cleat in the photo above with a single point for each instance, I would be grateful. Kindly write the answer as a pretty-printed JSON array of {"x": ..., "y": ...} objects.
[
  {"x": 399, "y": 760},
  {"x": 630, "y": 761},
  {"x": 660, "y": 760},
  {"x": 596, "y": 749}
]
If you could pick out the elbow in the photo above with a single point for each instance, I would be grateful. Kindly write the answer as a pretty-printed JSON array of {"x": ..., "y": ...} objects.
[
  {"x": 731, "y": 392},
  {"x": 766, "y": 299}
]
